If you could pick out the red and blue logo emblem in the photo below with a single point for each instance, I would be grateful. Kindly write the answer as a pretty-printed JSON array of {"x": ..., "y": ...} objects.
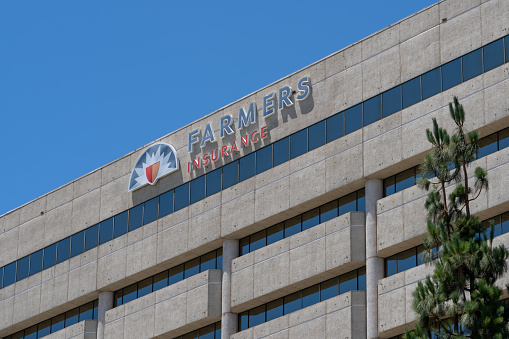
[{"x": 157, "y": 161}]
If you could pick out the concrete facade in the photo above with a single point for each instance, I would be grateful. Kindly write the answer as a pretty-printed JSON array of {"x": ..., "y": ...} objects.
[{"x": 357, "y": 162}]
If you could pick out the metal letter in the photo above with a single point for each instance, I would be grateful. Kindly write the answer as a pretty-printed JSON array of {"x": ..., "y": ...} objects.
[
  {"x": 208, "y": 135},
  {"x": 226, "y": 123},
  {"x": 284, "y": 97},
  {"x": 192, "y": 140},
  {"x": 250, "y": 118},
  {"x": 268, "y": 105},
  {"x": 304, "y": 88}
]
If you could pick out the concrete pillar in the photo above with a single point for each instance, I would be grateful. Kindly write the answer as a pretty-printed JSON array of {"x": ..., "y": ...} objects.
[
  {"x": 374, "y": 264},
  {"x": 105, "y": 304},
  {"x": 228, "y": 319}
]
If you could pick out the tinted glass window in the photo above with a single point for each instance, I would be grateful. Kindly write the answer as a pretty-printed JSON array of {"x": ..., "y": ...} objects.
[
  {"x": 91, "y": 237},
  {"x": 347, "y": 203},
  {"x": 160, "y": 280},
  {"x": 31, "y": 332},
  {"x": 144, "y": 287},
  {"x": 35, "y": 263},
  {"x": 389, "y": 186},
  {"x": 407, "y": 260},
  {"x": 263, "y": 159},
  {"x": 176, "y": 274},
  {"x": 472, "y": 64},
  {"x": 506, "y": 43},
  {"x": 451, "y": 74},
  {"x": 22, "y": 268},
  {"x": 135, "y": 217},
  {"x": 281, "y": 151},
  {"x": 391, "y": 101},
  {"x": 71, "y": 317},
  {"x": 372, "y": 110},
  {"x": 105, "y": 231},
  {"x": 361, "y": 200},
  {"x": 120, "y": 224},
  {"x": 197, "y": 189},
  {"x": 257, "y": 240},
  {"x": 275, "y": 233},
  {"x": 420, "y": 250},
  {"x": 411, "y": 92},
  {"x": 87, "y": 311},
  {"x": 214, "y": 182},
  {"x": 348, "y": 282},
  {"x": 244, "y": 246},
  {"x": 329, "y": 289},
  {"x": 207, "y": 332},
  {"x": 191, "y": 268},
  {"x": 230, "y": 174},
  {"x": 44, "y": 328},
  {"x": 431, "y": 83},
  {"x": 257, "y": 316},
  {"x": 182, "y": 196},
  {"x": 244, "y": 321},
  {"x": 77, "y": 243},
  {"x": 505, "y": 223},
  {"x": 493, "y": 55},
  {"x": 487, "y": 145},
  {"x": 192, "y": 335},
  {"x": 274, "y": 309},
  {"x": 208, "y": 261},
  {"x": 329, "y": 211},
  {"x": 361, "y": 279},
  {"x": 310, "y": 219},
  {"x": 57, "y": 323},
  {"x": 405, "y": 179},
  {"x": 335, "y": 127},
  {"x": 219, "y": 260},
  {"x": 292, "y": 303},
  {"x": 298, "y": 143},
  {"x": 503, "y": 139},
  {"x": 310, "y": 296},
  {"x": 247, "y": 167},
  {"x": 151, "y": 210},
  {"x": 50, "y": 256},
  {"x": 9, "y": 274},
  {"x": 130, "y": 293},
  {"x": 63, "y": 249},
  {"x": 353, "y": 119},
  {"x": 316, "y": 135},
  {"x": 292, "y": 226},
  {"x": 1, "y": 277}
]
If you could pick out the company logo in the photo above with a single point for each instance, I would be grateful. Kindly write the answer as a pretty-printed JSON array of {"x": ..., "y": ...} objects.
[{"x": 157, "y": 161}]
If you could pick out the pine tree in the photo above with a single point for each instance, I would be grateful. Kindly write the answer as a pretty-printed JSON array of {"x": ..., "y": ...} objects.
[{"x": 460, "y": 299}]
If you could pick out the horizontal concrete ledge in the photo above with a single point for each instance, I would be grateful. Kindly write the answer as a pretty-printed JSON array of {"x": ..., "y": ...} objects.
[{"x": 86, "y": 329}]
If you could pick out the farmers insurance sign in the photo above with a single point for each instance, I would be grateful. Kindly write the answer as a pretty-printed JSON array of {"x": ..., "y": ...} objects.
[{"x": 161, "y": 159}]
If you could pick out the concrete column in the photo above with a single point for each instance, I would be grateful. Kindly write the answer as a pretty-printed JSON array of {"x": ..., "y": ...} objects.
[
  {"x": 228, "y": 319},
  {"x": 105, "y": 304},
  {"x": 374, "y": 264}
]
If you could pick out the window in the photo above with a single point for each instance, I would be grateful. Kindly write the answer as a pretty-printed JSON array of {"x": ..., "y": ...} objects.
[
  {"x": 335, "y": 127},
  {"x": 77, "y": 243},
  {"x": 451, "y": 74},
  {"x": 298, "y": 143},
  {"x": 230, "y": 174},
  {"x": 198, "y": 189},
  {"x": 281, "y": 151},
  {"x": 493, "y": 55},
  {"x": 151, "y": 209},
  {"x": 50, "y": 256},
  {"x": 22, "y": 268},
  {"x": 263, "y": 159},
  {"x": 120, "y": 224},
  {"x": 431, "y": 83},
  {"x": 353, "y": 119},
  {"x": 91, "y": 237},
  {"x": 35, "y": 263},
  {"x": 372, "y": 110},
  {"x": 105, "y": 231},
  {"x": 317, "y": 135},
  {"x": 182, "y": 196},
  {"x": 63, "y": 249},
  {"x": 135, "y": 217},
  {"x": 391, "y": 101},
  {"x": 214, "y": 181},
  {"x": 472, "y": 64},
  {"x": 247, "y": 167},
  {"x": 411, "y": 92}
]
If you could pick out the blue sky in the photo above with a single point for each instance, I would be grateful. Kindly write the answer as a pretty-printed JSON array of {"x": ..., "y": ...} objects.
[{"x": 83, "y": 83}]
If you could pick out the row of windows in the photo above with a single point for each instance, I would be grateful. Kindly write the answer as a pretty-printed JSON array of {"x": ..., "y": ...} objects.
[
  {"x": 408, "y": 178},
  {"x": 351, "y": 281},
  {"x": 209, "y": 261},
  {"x": 332, "y": 128},
  {"x": 74, "y": 316},
  {"x": 351, "y": 202},
  {"x": 208, "y": 332},
  {"x": 411, "y": 258}
]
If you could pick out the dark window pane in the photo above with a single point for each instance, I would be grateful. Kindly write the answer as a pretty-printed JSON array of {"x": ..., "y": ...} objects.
[
  {"x": 50, "y": 256},
  {"x": 310, "y": 219},
  {"x": 275, "y": 233},
  {"x": 361, "y": 200},
  {"x": 63, "y": 249},
  {"x": 198, "y": 189},
  {"x": 218, "y": 331},
  {"x": 353, "y": 119},
  {"x": 506, "y": 43},
  {"x": 77, "y": 243},
  {"x": 347, "y": 203},
  {"x": 258, "y": 240},
  {"x": 310, "y": 296},
  {"x": 87, "y": 311},
  {"x": 1, "y": 277},
  {"x": 257, "y": 316},
  {"x": 118, "y": 298},
  {"x": 472, "y": 64},
  {"x": 31, "y": 332},
  {"x": 420, "y": 250},
  {"x": 274, "y": 309},
  {"x": 44, "y": 328},
  {"x": 328, "y": 211},
  {"x": 214, "y": 181},
  {"x": 391, "y": 101},
  {"x": 298, "y": 143},
  {"x": 230, "y": 174},
  {"x": 71, "y": 317},
  {"x": 130, "y": 293},
  {"x": 316, "y": 135},
  {"x": 219, "y": 259},
  {"x": 57, "y": 323},
  {"x": 335, "y": 127},
  {"x": 247, "y": 167},
  {"x": 505, "y": 222},
  {"x": 497, "y": 227},
  {"x": 191, "y": 268},
  {"x": 503, "y": 139},
  {"x": 91, "y": 237},
  {"x": 431, "y": 83},
  {"x": 405, "y": 179},
  {"x": 22, "y": 268},
  {"x": 361, "y": 279},
  {"x": 407, "y": 259},
  {"x": 487, "y": 145},
  {"x": 493, "y": 55},
  {"x": 281, "y": 151},
  {"x": 451, "y": 74},
  {"x": 390, "y": 186},
  {"x": 135, "y": 217},
  {"x": 208, "y": 261},
  {"x": 192, "y": 335},
  {"x": 244, "y": 321},
  {"x": 105, "y": 231},
  {"x": 181, "y": 196},
  {"x": 144, "y": 287},
  {"x": 18, "y": 335},
  {"x": 151, "y": 209},
  {"x": 35, "y": 263},
  {"x": 348, "y": 282},
  {"x": 372, "y": 110},
  {"x": 292, "y": 226},
  {"x": 176, "y": 274},
  {"x": 329, "y": 289},
  {"x": 411, "y": 92},
  {"x": 96, "y": 309},
  {"x": 292, "y": 303},
  {"x": 244, "y": 246},
  {"x": 160, "y": 280},
  {"x": 207, "y": 332},
  {"x": 120, "y": 224},
  {"x": 263, "y": 159},
  {"x": 165, "y": 204}
]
